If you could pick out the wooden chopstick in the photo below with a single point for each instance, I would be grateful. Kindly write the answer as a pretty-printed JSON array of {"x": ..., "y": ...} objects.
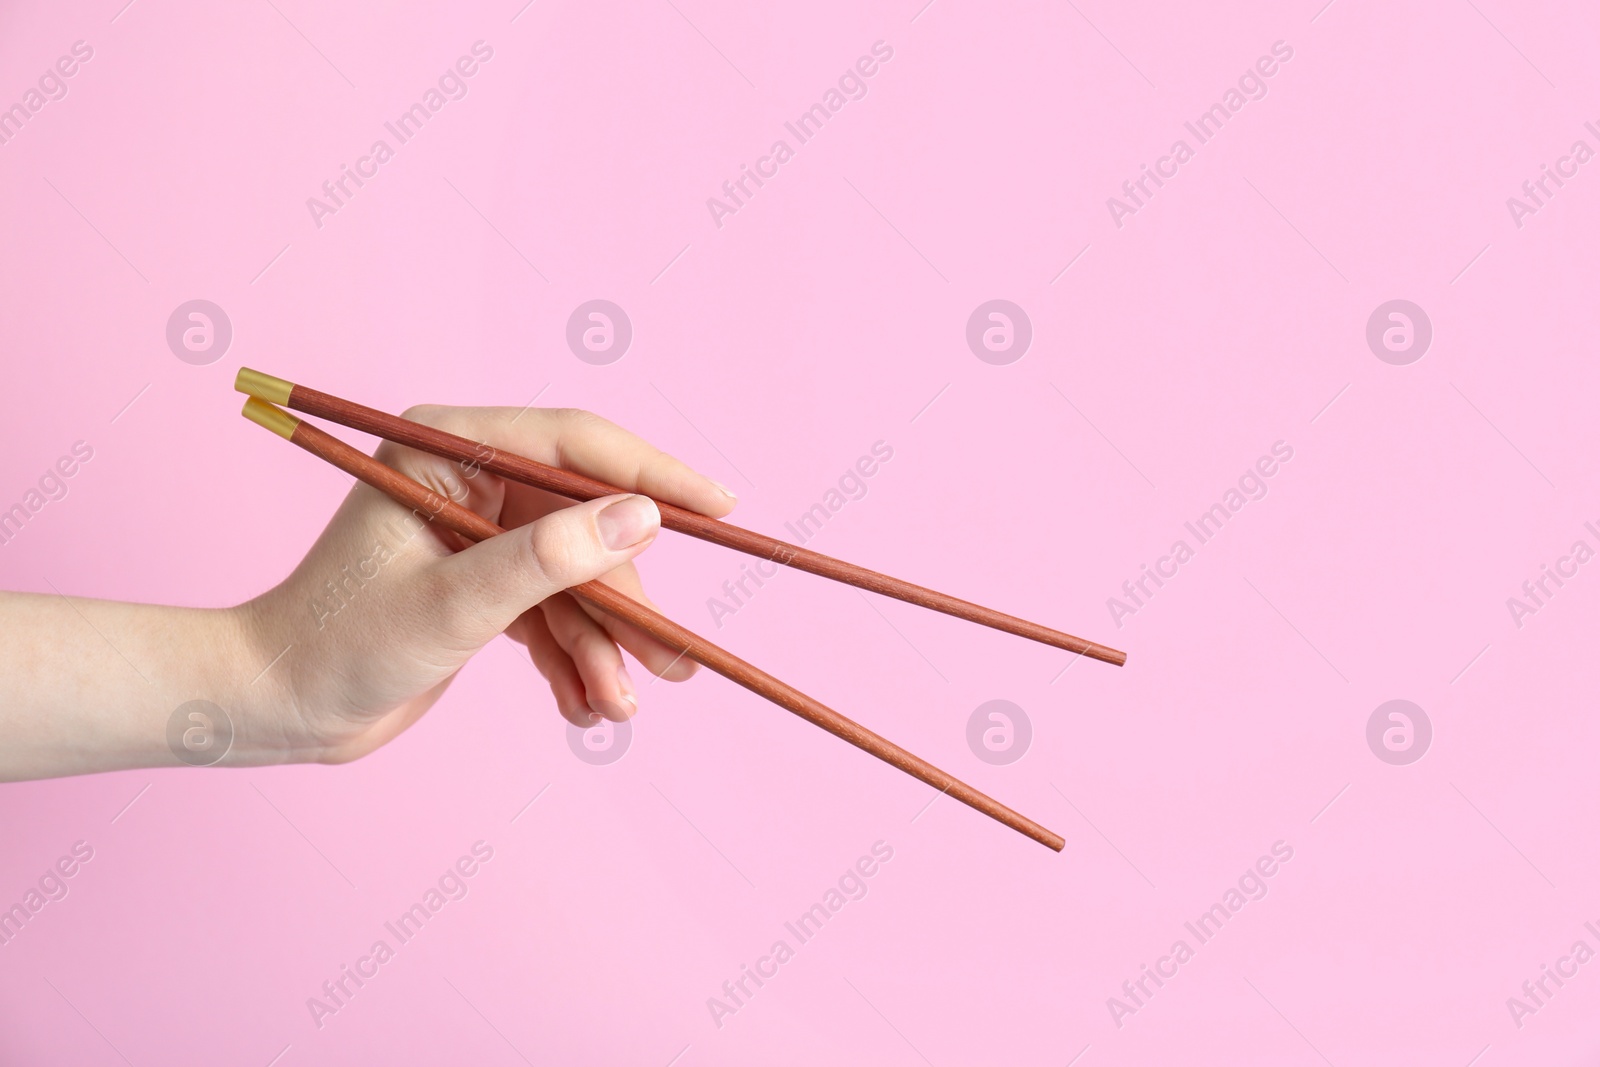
[
  {"x": 579, "y": 487},
  {"x": 471, "y": 525}
]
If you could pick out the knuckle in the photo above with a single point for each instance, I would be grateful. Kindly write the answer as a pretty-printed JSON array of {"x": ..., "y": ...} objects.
[
  {"x": 576, "y": 416},
  {"x": 554, "y": 553},
  {"x": 577, "y": 424},
  {"x": 591, "y": 645},
  {"x": 439, "y": 416},
  {"x": 339, "y": 755},
  {"x": 662, "y": 465},
  {"x": 420, "y": 412}
]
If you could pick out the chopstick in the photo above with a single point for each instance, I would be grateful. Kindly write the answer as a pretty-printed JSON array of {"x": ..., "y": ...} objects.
[
  {"x": 579, "y": 487},
  {"x": 471, "y": 525}
]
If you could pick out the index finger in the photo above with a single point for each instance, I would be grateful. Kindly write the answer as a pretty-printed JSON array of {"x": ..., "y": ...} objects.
[{"x": 585, "y": 443}]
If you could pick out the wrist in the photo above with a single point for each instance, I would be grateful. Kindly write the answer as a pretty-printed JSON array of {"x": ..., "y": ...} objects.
[{"x": 251, "y": 674}]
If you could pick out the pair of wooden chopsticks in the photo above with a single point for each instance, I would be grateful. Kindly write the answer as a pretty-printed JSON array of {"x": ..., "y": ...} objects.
[{"x": 266, "y": 391}]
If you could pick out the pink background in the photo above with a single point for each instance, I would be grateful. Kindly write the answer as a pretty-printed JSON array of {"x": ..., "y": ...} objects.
[{"x": 1226, "y": 315}]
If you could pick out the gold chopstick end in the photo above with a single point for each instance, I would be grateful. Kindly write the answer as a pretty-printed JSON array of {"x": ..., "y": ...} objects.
[
  {"x": 265, "y": 386},
  {"x": 275, "y": 419}
]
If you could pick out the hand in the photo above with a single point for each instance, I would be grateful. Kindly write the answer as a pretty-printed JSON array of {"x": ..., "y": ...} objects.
[
  {"x": 386, "y": 608},
  {"x": 374, "y": 623}
]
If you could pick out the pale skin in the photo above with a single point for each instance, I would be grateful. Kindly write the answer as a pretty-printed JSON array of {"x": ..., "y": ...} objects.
[{"x": 311, "y": 673}]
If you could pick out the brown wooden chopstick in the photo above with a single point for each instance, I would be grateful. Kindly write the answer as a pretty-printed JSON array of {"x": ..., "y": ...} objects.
[
  {"x": 471, "y": 525},
  {"x": 579, "y": 487}
]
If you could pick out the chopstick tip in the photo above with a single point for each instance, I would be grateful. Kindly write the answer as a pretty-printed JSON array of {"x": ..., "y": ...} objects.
[
  {"x": 275, "y": 419},
  {"x": 265, "y": 386}
]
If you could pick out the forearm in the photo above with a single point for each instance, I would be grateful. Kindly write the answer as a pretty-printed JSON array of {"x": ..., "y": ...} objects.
[{"x": 92, "y": 685}]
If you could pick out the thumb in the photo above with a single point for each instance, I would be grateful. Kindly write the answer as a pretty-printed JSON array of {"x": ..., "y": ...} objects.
[{"x": 486, "y": 587}]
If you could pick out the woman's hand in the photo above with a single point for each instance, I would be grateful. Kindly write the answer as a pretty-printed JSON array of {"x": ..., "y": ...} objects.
[
  {"x": 374, "y": 623},
  {"x": 371, "y": 654}
]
